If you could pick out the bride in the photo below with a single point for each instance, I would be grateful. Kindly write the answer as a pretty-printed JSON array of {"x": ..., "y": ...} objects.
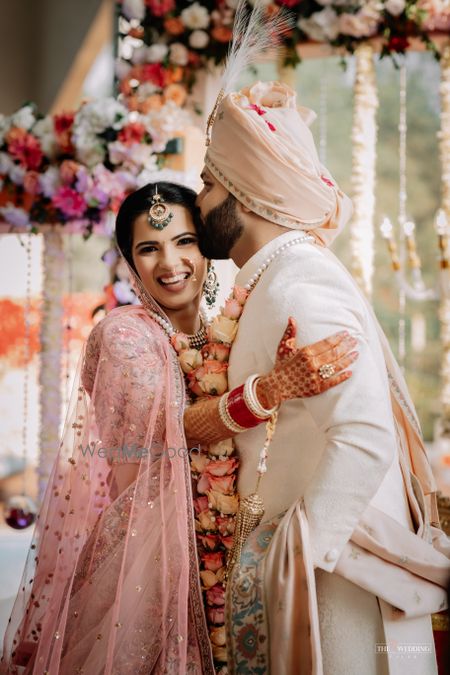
[{"x": 111, "y": 582}]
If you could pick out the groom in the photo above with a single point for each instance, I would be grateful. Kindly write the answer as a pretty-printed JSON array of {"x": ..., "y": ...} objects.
[{"x": 356, "y": 562}]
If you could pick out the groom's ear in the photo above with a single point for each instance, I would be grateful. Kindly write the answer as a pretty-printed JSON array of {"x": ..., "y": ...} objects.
[{"x": 241, "y": 207}]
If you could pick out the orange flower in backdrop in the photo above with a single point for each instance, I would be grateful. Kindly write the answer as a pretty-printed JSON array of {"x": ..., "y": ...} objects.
[
  {"x": 77, "y": 307},
  {"x": 174, "y": 26},
  {"x": 222, "y": 33},
  {"x": 176, "y": 93}
]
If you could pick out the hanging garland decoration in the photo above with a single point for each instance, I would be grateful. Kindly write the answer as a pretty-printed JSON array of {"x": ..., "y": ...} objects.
[
  {"x": 444, "y": 310},
  {"x": 364, "y": 144},
  {"x": 164, "y": 44}
]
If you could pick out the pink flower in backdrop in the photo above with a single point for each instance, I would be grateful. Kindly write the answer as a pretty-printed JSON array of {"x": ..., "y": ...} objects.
[
  {"x": 69, "y": 201},
  {"x": 68, "y": 171},
  {"x": 97, "y": 197},
  {"x": 160, "y": 7},
  {"x": 289, "y": 3},
  {"x": 84, "y": 180},
  {"x": 154, "y": 73},
  {"x": 27, "y": 150},
  {"x": 31, "y": 183},
  {"x": 108, "y": 181},
  {"x": 132, "y": 133}
]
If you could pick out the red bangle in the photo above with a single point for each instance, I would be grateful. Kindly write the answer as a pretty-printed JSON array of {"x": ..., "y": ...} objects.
[{"x": 238, "y": 410}]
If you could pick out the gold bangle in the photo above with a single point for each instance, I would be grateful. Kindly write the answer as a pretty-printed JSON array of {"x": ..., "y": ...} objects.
[
  {"x": 226, "y": 418},
  {"x": 251, "y": 399}
]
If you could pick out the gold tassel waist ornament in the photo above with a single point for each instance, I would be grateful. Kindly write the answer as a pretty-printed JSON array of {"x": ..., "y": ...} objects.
[{"x": 251, "y": 508}]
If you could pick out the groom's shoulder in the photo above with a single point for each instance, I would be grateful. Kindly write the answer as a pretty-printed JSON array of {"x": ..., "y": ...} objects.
[{"x": 308, "y": 263}]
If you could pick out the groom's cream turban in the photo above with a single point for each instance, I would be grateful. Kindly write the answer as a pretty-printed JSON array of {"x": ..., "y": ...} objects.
[{"x": 263, "y": 152}]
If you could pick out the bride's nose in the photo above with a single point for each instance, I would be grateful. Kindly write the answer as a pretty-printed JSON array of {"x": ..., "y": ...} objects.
[{"x": 169, "y": 258}]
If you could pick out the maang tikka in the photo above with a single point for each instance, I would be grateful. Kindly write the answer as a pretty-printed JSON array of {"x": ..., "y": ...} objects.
[{"x": 159, "y": 214}]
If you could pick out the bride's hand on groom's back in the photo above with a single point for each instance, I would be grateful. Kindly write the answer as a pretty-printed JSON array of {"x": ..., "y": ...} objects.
[{"x": 300, "y": 372}]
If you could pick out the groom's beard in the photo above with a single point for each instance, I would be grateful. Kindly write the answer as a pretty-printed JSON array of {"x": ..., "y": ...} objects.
[{"x": 220, "y": 230}]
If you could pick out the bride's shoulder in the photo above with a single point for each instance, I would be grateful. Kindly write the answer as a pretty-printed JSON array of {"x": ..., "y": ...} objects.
[{"x": 123, "y": 324}]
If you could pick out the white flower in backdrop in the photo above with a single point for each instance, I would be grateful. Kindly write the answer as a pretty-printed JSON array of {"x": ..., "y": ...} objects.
[
  {"x": 50, "y": 181},
  {"x": 5, "y": 126},
  {"x": 147, "y": 89},
  {"x": 156, "y": 53},
  {"x": 44, "y": 129},
  {"x": 195, "y": 17},
  {"x": 6, "y": 163},
  {"x": 24, "y": 118},
  {"x": 321, "y": 26},
  {"x": 17, "y": 174},
  {"x": 134, "y": 9},
  {"x": 166, "y": 123},
  {"x": 179, "y": 54},
  {"x": 96, "y": 116},
  {"x": 395, "y": 7},
  {"x": 198, "y": 39},
  {"x": 122, "y": 68},
  {"x": 15, "y": 216},
  {"x": 140, "y": 54},
  {"x": 362, "y": 24},
  {"x": 89, "y": 150},
  {"x": 133, "y": 157}
]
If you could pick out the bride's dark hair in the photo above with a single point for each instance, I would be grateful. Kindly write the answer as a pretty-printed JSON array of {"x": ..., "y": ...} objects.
[{"x": 139, "y": 202}]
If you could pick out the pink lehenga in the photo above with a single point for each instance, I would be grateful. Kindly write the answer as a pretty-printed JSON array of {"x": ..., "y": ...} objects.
[{"x": 111, "y": 581}]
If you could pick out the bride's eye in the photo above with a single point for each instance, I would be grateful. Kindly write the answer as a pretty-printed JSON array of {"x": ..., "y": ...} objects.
[
  {"x": 147, "y": 249},
  {"x": 187, "y": 240}
]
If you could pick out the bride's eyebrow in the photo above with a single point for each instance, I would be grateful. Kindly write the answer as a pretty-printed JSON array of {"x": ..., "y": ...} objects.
[{"x": 155, "y": 243}]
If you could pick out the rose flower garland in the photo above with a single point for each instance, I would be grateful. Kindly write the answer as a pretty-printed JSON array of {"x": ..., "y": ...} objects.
[{"x": 214, "y": 467}]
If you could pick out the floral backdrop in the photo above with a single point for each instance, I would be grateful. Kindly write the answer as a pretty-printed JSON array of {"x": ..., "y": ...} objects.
[
  {"x": 164, "y": 44},
  {"x": 74, "y": 168}
]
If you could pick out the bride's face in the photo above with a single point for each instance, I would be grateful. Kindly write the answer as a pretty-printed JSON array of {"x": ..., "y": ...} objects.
[{"x": 168, "y": 261}]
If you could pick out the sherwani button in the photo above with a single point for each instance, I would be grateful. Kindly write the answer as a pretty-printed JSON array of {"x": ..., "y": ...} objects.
[{"x": 331, "y": 555}]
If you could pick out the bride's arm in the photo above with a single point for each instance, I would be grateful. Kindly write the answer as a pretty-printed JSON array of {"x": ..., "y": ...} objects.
[{"x": 295, "y": 375}]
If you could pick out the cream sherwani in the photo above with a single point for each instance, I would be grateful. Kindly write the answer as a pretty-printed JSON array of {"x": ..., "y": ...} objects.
[{"x": 338, "y": 451}]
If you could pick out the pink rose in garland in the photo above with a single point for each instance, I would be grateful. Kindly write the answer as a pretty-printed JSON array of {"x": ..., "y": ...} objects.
[{"x": 214, "y": 468}]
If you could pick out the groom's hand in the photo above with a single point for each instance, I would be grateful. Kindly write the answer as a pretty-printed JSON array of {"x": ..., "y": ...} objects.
[{"x": 307, "y": 371}]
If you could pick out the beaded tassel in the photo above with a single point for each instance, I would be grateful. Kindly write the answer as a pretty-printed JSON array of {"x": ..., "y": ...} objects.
[{"x": 251, "y": 508}]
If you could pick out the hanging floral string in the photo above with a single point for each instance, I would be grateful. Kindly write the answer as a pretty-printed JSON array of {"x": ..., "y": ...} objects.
[{"x": 364, "y": 144}]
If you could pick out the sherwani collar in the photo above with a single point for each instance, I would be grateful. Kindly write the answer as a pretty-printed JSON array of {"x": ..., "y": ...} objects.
[{"x": 252, "y": 265}]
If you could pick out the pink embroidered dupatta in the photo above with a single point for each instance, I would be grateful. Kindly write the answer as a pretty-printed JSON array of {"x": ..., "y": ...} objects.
[{"x": 111, "y": 581}]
